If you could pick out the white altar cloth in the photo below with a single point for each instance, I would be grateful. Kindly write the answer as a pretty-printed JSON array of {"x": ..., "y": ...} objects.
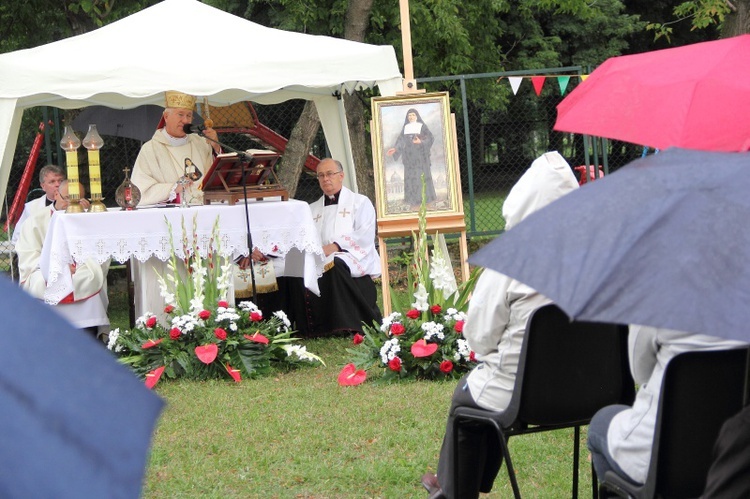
[{"x": 280, "y": 227}]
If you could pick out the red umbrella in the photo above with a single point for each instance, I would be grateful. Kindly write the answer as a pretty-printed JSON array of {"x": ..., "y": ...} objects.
[{"x": 695, "y": 96}]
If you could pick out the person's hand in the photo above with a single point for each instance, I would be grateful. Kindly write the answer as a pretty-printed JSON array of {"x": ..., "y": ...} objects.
[
  {"x": 183, "y": 184},
  {"x": 244, "y": 262},
  {"x": 257, "y": 256},
  {"x": 329, "y": 249},
  {"x": 85, "y": 204},
  {"x": 212, "y": 139},
  {"x": 416, "y": 140},
  {"x": 72, "y": 268},
  {"x": 391, "y": 151}
]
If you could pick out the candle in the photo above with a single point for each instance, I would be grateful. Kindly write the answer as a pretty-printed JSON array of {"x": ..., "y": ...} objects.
[
  {"x": 93, "y": 142},
  {"x": 70, "y": 144}
]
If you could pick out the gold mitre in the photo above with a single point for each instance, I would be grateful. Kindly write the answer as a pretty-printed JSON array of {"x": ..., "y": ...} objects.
[{"x": 178, "y": 99}]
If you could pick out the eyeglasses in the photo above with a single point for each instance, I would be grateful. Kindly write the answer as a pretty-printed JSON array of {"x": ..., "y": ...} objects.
[{"x": 327, "y": 175}]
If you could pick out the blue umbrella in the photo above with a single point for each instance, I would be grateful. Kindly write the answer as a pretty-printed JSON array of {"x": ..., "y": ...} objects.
[
  {"x": 664, "y": 241},
  {"x": 75, "y": 422}
]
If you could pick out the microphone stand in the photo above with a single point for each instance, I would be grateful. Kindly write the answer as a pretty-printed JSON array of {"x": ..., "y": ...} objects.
[{"x": 244, "y": 158}]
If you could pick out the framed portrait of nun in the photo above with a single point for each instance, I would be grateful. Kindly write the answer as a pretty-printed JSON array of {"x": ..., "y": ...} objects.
[{"x": 414, "y": 148}]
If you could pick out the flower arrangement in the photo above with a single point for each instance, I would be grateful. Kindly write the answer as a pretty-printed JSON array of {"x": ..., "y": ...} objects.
[
  {"x": 204, "y": 337},
  {"x": 424, "y": 341}
]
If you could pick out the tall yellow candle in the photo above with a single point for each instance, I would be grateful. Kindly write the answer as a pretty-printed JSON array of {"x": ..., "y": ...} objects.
[
  {"x": 93, "y": 142},
  {"x": 70, "y": 144}
]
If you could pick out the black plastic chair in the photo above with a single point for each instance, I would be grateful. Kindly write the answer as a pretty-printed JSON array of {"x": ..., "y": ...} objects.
[
  {"x": 700, "y": 391},
  {"x": 567, "y": 371}
]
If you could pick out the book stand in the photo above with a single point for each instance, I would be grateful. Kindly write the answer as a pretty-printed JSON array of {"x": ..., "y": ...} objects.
[{"x": 235, "y": 174}]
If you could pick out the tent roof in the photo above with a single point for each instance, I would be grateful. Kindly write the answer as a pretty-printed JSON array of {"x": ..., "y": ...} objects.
[{"x": 133, "y": 61}]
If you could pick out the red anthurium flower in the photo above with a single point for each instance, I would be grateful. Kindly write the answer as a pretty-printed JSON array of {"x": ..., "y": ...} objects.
[
  {"x": 151, "y": 343},
  {"x": 394, "y": 364},
  {"x": 421, "y": 348},
  {"x": 459, "y": 326},
  {"x": 223, "y": 303},
  {"x": 435, "y": 309},
  {"x": 446, "y": 366},
  {"x": 204, "y": 314},
  {"x": 256, "y": 316},
  {"x": 358, "y": 338},
  {"x": 350, "y": 376},
  {"x": 234, "y": 373},
  {"x": 397, "y": 328},
  {"x": 151, "y": 322},
  {"x": 175, "y": 333},
  {"x": 207, "y": 353},
  {"x": 153, "y": 377},
  {"x": 220, "y": 333},
  {"x": 413, "y": 313},
  {"x": 168, "y": 309},
  {"x": 257, "y": 338}
]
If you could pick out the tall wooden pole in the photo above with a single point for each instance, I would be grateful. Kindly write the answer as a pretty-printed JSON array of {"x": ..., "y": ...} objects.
[{"x": 410, "y": 84}]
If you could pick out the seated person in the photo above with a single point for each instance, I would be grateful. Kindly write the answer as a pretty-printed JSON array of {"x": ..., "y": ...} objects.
[
  {"x": 86, "y": 306},
  {"x": 50, "y": 177},
  {"x": 498, "y": 312},
  {"x": 620, "y": 438},
  {"x": 348, "y": 297}
]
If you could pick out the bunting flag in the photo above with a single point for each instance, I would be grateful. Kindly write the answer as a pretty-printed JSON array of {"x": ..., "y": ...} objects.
[
  {"x": 538, "y": 82},
  {"x": 563, "y": 81},
  {"x": 515, "y": 82},
  {"x": 583, "y": 77}
]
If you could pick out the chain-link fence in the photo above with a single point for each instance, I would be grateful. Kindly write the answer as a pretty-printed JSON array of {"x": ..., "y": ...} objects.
[{"x": 499, "y": 132}]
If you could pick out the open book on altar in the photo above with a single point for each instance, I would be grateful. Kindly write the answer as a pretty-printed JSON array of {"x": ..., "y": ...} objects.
[{"x": 232, "y": 174}]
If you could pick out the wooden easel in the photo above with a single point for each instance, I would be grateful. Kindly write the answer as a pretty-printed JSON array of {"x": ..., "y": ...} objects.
[{"x": 444, "y": 223}]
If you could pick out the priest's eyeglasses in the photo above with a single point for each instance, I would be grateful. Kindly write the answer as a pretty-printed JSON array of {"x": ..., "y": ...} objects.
[{"x": 321, "y": 176}]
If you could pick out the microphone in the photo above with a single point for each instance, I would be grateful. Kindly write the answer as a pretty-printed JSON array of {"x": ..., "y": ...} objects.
[{"x": 190, "y": 128}]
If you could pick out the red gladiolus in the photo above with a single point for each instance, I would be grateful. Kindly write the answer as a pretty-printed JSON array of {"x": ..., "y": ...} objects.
[
  {"x": 220, "y": 333},
  {"x": 223, "y": 303},
  {"x": 153, "y": 377},
  {"x": 168, "y": 309},
  {"x": 397, "y": 328},
  {"x": 358, "y": 338},
  {"x": 256, "y": 316},
  {"x": 350, "y": 376},
  {"x": 435, "y": 309},
  {"x": 207, "y": 353},
  {"x": 151, "y": 343},
  {"x": 174, "y": 333},
  {"x": 204, "y": 314},
  {"x": 421, "y": 348},
  {"x": 459, "y": 326},
  {"x": 394, "y": 364},
  {"x": 446, "y": 366},
  {"x": 234, "y": 373},
  {"x": 257, "y": 338},
  {"x": 413, "y": 313},
  {"x": 151, "y": 322}
]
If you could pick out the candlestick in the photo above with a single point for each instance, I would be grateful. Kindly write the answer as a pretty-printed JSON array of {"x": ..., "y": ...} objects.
[
  {"x": 93, "y": 142},
  {"x": 70, "y": 144}
]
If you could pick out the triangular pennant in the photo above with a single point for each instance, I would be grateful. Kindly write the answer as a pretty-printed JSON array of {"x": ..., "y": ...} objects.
[
  {"x": 538, "y": 82},
  {"x": 583, "y": 77},
  {"x": 563, "y": 82},
  {"x": 515, "y": 82}
]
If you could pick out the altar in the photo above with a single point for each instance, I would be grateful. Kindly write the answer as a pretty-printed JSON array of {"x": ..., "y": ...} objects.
[{"x": 280, "y": 227}]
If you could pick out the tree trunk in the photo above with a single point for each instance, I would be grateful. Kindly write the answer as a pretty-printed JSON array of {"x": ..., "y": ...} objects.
[
  {"x": 738, "y": 22},
  {"x": 303, "y": 134},
  {"x": 355, "y": 28},
  {"x": 297, "y": 149}
]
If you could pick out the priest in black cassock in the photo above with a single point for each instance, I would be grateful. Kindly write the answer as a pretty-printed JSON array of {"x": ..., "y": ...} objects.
[{"x": 346, "y": 222}]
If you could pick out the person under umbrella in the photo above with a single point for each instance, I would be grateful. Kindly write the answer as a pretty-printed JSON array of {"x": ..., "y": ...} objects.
[{"x": 498, "y": 313}]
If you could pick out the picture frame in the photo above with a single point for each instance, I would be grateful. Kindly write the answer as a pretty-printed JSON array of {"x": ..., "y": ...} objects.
[{"x": 404, "y": 150}]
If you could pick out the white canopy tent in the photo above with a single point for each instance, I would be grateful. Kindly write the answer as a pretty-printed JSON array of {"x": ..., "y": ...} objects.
[{"x": 197, "y": 49}]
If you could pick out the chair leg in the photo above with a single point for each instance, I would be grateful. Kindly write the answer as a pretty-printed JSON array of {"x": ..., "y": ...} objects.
[
  {"x": 594, "y": 483},
  {"x": 576, "y": 451},
  {"x": 509, "y": 465}
]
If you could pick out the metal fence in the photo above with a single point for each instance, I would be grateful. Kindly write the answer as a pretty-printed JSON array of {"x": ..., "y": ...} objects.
[{"x": 496, "y": 142}]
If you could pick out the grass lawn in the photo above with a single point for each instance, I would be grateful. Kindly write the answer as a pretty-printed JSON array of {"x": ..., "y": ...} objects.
[{"x": 297, "y": 434}]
